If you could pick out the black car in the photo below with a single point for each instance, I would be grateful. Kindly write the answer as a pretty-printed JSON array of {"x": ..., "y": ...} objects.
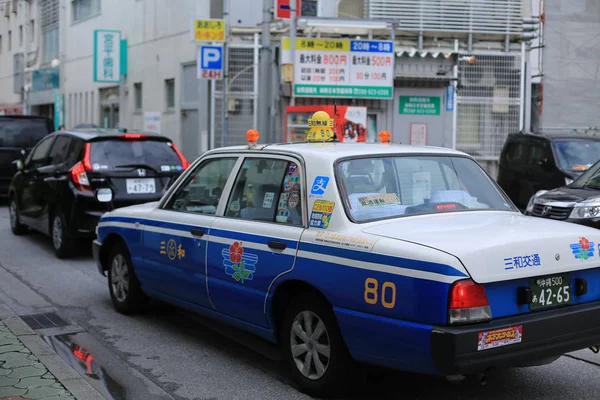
[
  {"x": 18, "y": 135},
  {"x": 543, "y": 161},
  {"x": 54, "y": 189},
  {"x": 578, "y": 202}
]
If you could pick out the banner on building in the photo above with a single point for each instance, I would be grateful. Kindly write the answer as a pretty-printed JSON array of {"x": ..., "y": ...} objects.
[
  {"x": 339, "y": 68},
  {"x": 107, "y": 56}
]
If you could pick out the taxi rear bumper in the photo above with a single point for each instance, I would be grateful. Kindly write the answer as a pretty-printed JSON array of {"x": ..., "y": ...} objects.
[{"x": 546, "y": 335}]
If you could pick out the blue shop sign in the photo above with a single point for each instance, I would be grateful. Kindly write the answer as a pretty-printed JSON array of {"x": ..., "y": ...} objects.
[{"x": 45, "y": 79}]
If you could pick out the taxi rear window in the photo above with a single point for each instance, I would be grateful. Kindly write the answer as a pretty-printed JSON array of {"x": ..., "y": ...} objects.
[{"x": 389, "y": 187}]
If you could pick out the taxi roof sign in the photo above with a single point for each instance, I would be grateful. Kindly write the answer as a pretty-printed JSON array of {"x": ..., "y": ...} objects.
[{"x": 320, "y": 128}]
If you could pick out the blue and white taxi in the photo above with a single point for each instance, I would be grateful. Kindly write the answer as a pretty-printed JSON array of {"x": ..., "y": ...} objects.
[{"x": 400, "y": 256}]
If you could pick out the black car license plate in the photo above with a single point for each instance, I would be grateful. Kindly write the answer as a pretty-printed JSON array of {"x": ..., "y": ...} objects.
[{"x": 550, "y": 291}]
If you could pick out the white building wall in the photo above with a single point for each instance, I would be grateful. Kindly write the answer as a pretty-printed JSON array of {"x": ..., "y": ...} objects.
[
  {"x": 158, "y": 43},
  {"x": 12, "y": 23}
]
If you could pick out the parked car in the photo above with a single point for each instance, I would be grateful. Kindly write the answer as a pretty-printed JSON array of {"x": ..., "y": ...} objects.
[
  {"x": 578, "y": 202},
  {"x": 18, "y": 135},
  {"x": 400, "y": 256},
  {"x": 544, "y": 161},
  {"x": 53, "y": 191}
]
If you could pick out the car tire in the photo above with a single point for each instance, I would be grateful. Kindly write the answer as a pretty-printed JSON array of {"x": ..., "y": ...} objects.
[
  {"x": 124, "y": 287},
  {"x": 301, "y": 342},
  {"x": 62, "y": 243},
  {"x": 16, "y": 226}
]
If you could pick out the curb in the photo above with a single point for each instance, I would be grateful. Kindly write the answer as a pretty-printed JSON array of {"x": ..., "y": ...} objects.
[{"x": 67, "y": 376}]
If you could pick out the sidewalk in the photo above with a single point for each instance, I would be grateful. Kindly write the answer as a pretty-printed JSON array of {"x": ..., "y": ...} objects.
[
  {"x": 22, "y": 373},
  {"x": 30, "y": 369}
]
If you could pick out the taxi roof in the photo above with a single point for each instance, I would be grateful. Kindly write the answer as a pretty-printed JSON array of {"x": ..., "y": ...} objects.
[{"x": 335, "y": 150}]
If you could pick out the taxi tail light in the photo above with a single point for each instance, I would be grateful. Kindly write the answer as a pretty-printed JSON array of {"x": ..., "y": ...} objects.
[
  {"x": 184, "y": 163},
  {"x": 468, "y": 303},
  {"x": 78, "y": 171}
]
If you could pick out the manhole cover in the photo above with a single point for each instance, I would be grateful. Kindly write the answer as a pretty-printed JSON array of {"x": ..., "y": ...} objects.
[{"x": 44, "y": 321}]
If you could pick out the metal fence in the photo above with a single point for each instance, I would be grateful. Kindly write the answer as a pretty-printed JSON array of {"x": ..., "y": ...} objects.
[
  {"x": 464, "y": 16},
  {"x": 242, "y": 97},
  {"x": 489, "y": 104}
]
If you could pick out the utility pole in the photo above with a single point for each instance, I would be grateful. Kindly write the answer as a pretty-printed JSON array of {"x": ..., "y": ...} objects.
[
  {"x": 265, "y": 74},
  {"x": 293, "y": 15},
  {"x": 225, "y": 89}
]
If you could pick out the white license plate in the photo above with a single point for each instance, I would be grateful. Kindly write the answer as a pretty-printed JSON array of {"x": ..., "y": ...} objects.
[{"x": 141, "y": 186}]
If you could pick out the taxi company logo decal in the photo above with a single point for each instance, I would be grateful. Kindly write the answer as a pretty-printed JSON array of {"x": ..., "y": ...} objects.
[
  {"x": 583, "y": 250},
  {"x": 172, "y": 250},
  {"x": 500, "y": 337},
  {"x": 238, "y": 264}
]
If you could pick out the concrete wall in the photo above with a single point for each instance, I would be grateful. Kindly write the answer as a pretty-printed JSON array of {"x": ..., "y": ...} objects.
[
  {"x": 159, "y": 42},
  {"x": 6, "y": 56},
  {"x": 571, "y": 58}
]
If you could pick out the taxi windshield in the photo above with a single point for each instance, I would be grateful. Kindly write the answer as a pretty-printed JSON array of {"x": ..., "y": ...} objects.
[{"x": 390, "y": 187}]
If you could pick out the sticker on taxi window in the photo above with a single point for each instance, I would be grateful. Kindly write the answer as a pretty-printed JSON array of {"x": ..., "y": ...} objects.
[
  {"x": 319, "y": 185},
  {"x": 294, "y": 200},
  {"x": 500, "y": 337},
  {"x": 321, "y": 214},
  {"x": 377, "y": 200},
  {"x": 268, "y": 200}
]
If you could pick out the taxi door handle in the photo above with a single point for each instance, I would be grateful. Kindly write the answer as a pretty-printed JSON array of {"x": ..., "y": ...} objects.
[
  {"x": 277, "y": 245},
  {"x": 197, "y": 232}
]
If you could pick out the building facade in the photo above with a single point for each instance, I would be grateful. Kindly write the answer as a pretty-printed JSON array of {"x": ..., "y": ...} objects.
[
  {"x": 468, "y": 60},
  {"x": 567, "y": 80}
]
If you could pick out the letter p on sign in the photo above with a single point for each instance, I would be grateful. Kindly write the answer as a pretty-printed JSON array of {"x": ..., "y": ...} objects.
[{"x": 210, "y": 62}]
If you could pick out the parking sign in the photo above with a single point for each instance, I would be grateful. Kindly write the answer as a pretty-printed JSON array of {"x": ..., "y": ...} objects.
[{"x": 210, "y": 62}]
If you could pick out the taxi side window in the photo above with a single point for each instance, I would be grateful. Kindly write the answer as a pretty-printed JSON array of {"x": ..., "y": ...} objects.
[
  {"x": 201, "y": 193},
  {"x": 267, "y": 190}
]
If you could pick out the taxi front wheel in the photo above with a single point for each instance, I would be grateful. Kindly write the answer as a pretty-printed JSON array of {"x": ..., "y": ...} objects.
[
  {"x": 124, "y": 287},
  {"x": 314, "y": 349}
]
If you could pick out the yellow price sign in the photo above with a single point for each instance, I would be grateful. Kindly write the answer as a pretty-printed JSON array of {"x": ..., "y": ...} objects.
[
  {"x": 209, "y": 30},
  {"x": 320, "y": 127}
]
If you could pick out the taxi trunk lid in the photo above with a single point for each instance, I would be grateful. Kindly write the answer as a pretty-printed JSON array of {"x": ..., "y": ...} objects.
[{"x": 500, "y": 246}]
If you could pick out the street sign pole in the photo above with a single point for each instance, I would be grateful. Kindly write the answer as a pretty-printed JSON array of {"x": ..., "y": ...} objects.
[
  {"x": 293, "y": 5},
  {"x": 265, "y": 58},
  {"x": 225, "y": 89}
]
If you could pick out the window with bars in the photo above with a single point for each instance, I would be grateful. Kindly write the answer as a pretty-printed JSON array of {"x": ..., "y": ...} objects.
[
  {"x": 83, "y": 9},
  {"x": 49, "y": 14}
]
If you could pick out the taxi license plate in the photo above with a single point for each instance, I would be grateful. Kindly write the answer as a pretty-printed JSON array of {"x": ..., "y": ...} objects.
[
  {"x": 550, "y": 291},
  {"x": 141, "y": 186}
]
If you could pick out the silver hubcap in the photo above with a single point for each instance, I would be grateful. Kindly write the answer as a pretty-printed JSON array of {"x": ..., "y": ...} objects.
[
  {"x": 310, "y": 345},
  {"x": 57, "y": 232},
  {"x": 119, "y": 278},
  {"x": 13, "y": 214}
]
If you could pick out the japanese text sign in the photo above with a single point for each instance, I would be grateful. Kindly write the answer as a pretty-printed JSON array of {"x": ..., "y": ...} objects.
[
  {"x": 341, "y": 68},
  {"x": 107, "y": 56},
  {"x": 208, "y": 30}
]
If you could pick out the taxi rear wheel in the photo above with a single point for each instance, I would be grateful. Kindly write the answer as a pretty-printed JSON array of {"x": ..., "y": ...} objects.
[
  {"x": 124, "y": 287},
  {"x": 314, "y": 349}
]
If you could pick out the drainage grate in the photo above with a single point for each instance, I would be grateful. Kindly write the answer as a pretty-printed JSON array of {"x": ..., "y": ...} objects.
[{"x": 44, "y": 321}]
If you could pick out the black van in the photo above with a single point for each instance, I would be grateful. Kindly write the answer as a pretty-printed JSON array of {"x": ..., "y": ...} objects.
[
  {"x": 543, "y": 161},
  {"x": 18, "y": 135}
]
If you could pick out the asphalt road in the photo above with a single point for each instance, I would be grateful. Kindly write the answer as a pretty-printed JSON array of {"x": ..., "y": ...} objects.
[{"x": 168, "y": 354}]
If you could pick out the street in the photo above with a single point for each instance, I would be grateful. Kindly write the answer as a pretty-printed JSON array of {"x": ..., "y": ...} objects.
[{"x": 167, "y": 353}]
